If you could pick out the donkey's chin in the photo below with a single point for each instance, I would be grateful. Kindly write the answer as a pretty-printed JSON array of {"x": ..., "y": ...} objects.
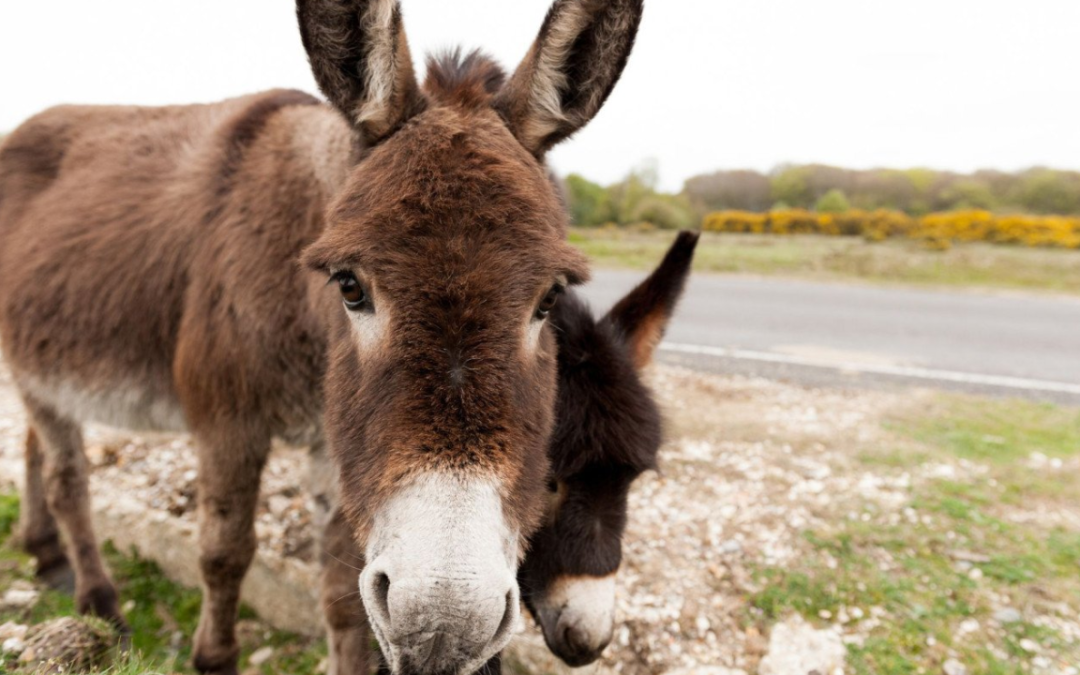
[
  {"x": 577, "y": 615},
  {"x": 440, "y": 585}
]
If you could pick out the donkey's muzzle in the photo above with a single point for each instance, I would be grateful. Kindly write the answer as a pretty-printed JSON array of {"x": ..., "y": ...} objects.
[
  {"x": 577, "y": 615},
  {"x": 430, "y": 625},
  {"x": 440, "y": 586}
]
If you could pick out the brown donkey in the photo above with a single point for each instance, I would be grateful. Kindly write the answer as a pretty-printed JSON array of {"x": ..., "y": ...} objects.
[
  {"x": 607, "y": 432},
  {"x": 148, "y": 279}
]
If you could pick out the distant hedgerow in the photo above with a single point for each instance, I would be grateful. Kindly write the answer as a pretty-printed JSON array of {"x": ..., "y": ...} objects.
[{"x": 936, "y": 230}]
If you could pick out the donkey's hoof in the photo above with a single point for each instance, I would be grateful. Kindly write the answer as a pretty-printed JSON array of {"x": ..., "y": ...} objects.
[
  {"x": 101, "y": 601},
  {"x": 208, "y": 666}
]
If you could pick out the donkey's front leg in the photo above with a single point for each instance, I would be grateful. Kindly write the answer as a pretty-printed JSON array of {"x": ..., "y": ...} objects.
[
  {"x": 347, "y": 633},
  {"x": 346, "y": 623},
  {"x": 230, "y": 466}
]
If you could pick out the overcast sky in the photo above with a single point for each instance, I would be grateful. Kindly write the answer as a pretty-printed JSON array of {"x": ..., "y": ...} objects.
[{"x": 952, "y": 84}]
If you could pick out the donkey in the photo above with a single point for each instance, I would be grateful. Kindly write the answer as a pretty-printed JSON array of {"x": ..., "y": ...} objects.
[
  {"x": 149, "y": 280},
  {"x": 607, "y": 433}
]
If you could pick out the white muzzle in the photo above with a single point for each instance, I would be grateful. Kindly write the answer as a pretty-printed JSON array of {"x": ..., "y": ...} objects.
[{"x": 440, "y": 584}]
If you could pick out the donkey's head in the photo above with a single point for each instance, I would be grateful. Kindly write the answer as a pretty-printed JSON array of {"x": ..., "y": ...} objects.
[
  {"x": 446, "y": 246},
  {"x": 607, "y": 432}
]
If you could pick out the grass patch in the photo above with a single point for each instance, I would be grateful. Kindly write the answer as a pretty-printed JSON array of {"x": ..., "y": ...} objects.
[
  {"x": 1004, "y": 435},
  {"x": 163, "y": 615},
  {"x": 997, "y": 431},
  {"x": 845, "y": 258},
  {"x": 905, "y": 575},
  {"x": 951, "y": 554},
  {"x": 9, "y": 515}
]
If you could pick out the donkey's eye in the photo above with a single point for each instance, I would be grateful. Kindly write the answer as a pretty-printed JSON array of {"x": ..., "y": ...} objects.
[
  {"x": 548, "y": 303},
  {"x": 354, "y": 296}
]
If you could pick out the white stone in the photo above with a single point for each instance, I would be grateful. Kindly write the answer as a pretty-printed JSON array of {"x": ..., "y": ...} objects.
[
  {"x": 13, "y": 645},
  {"x": 954, "y": 667},
  {"x": 1007, "y": 615},
  {"x": 260, "y": 656},
  {"x": 12, "y": 630},
  {"x": 278, "y": 504},
  {"x": 18, "y": 598},
  {"x": 796, "y": 648},
  {"x": 706, "y": 670}
]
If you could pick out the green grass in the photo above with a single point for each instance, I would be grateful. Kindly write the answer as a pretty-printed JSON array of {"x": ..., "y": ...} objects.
[
  {"x": 162, "y": 614},
  {"x": 924, "y": 593},
  {"x": 1001, "y": 432},
  {"x": 845, "y": 259},
  {"x": 912, "y": 570},
  {"x": 9, "y": 514}
]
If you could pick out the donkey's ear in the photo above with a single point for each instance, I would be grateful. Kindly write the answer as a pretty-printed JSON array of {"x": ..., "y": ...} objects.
[
  {"x": 570, "y": 70},
  {"x": 642, "y": 316},
  {"x": 361, "y": 61}
]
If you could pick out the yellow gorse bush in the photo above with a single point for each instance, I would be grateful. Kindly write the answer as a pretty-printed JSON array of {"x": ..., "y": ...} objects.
[{"x": 936, "y": 230}]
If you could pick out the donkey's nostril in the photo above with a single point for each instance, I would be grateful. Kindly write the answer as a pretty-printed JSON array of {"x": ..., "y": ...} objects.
[
  {"x": 381, "y": 586},
  {"x": 575, "y": 647},
  {"x": 506, "y": 624},
  {"x": 577, "y": 642}
]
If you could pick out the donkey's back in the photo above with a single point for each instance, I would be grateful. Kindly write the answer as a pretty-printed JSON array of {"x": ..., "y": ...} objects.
[{"x": 137, "y": 245}]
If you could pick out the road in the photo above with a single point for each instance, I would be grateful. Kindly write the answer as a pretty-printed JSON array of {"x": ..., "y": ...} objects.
[{"x": 849, "y": 335}]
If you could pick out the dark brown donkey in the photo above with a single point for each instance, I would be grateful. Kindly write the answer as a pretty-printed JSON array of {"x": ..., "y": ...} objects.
[
  {"x": 148, "y": 279},
  {"x": 607, "y": 432}
]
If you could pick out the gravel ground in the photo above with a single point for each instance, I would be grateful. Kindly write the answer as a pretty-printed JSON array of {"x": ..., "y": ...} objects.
[{"x": 749, "y": 466}]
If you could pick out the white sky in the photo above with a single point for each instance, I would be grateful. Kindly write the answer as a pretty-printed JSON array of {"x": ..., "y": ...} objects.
[{"x": 952, "y": 84}]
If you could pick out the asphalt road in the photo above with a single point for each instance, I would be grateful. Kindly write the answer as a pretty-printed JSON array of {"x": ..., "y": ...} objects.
[{"x": 848, "y": 335}]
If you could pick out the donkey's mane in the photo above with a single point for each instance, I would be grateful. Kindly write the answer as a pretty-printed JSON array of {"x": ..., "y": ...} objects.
[{"x": 468, "y": 80}]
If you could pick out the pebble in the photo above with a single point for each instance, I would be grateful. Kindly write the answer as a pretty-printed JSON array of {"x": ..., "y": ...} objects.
[
  {"x": 13, "y": 645},
  {"x": 19, "y": 598},
  {"x": 730, "y": 546},
  {"x": 708, "y": 670},
  {"x": 260, "y": 656},
  {"x": 968, "y": 626},
  {"x": 795, "y": 647},
  {"x": 954, "y": 667},
  {"x": 1029, "y": 645},
  {"x": 11, "y": 629},
  {"x": 1007, "y": 615},
  {"x": 278, "y": 504}
]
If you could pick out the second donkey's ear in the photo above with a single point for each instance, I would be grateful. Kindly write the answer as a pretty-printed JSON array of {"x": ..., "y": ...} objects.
[
  {"x": 361, "y": 61},
  {"x": 569, "y": 71},
  {"x": 641, "y": 317}
]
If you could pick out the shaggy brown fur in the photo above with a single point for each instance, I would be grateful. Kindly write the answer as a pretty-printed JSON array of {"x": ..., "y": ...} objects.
[{"x": 148, "y": 279}]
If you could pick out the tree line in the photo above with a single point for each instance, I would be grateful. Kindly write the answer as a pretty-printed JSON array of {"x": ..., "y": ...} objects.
[{"x": 821, "y": 188}]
